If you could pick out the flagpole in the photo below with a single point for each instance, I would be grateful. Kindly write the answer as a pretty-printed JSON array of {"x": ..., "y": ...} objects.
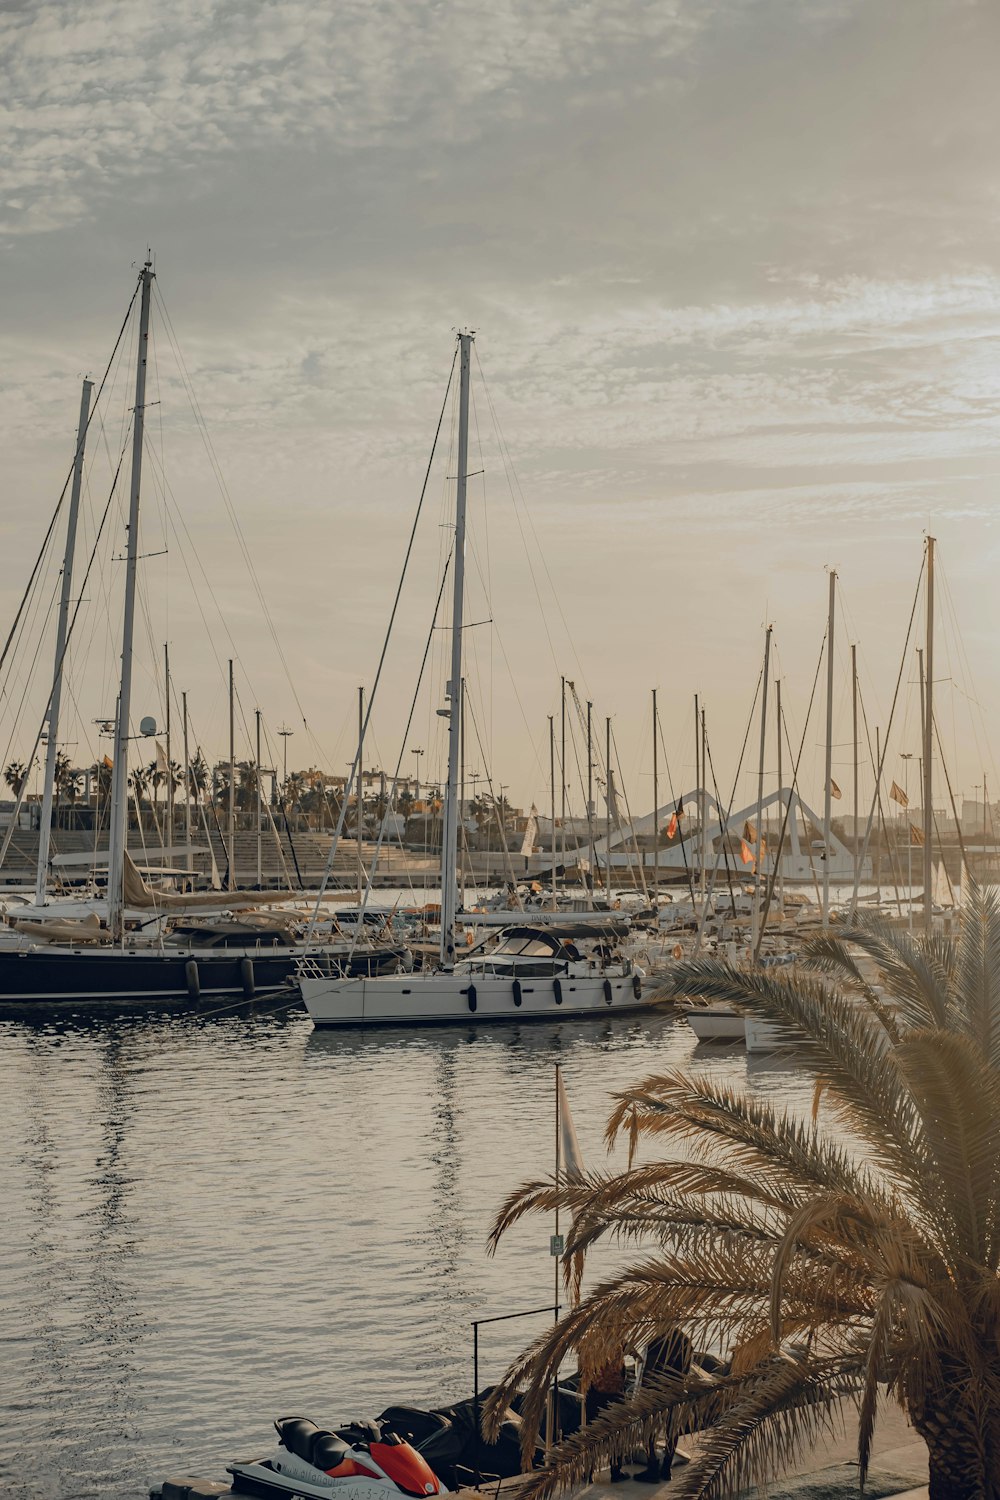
[
  {"x": 756, "y": 934},
  {"x": 929, "y": 739},
  {"x": 829, "y": 746},
  {"x": 655, "y": 812}
]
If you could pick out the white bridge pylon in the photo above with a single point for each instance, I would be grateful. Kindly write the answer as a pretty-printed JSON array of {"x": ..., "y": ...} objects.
[{"x": 797, "y": 861}]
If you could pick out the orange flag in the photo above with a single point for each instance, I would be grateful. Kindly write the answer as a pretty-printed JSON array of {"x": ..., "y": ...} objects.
[
  {"x": 746, "y": 853},
  {"x": 916, "y": 834},
  {"x": 898, "y": 795}
]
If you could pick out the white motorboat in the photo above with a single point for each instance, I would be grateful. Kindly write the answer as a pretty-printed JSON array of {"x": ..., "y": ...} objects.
[
  {"x": 534, "y": 973},
  {"x": 715, "y": 1023},
  {"x": 765, "y": 1036}
]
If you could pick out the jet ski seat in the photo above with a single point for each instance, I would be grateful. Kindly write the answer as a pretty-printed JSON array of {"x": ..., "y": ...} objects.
[{"x": 319, "y": 1447}]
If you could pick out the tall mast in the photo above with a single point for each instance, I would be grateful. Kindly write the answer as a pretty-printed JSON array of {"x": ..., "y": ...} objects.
[
  {"x": 607, "y": 810},
  {"x": 170, "y": 773},
  {"x": 759, "y": 862},
  {"x": 552, "y": 788},
  {"x": 854, "y": 743},
  {"x": 118, "y": 826},
  {"x": 590, "y": 795},
  {"x": 699, "y": 797},
  {"x": 829, "y": 747},
  {"x": 232, "y": 782},
  {"x": 62, "y": 627},
  {"x": 704, "y": 801},
  {"x": 779, "y": 856},
  {"x": 260, "y": 811},
  {"x": 656, "y": 815},
  {"x": 562, "y": 777},
  {"x": 359, "y": 826},
  {"x": 449, "y": 831},
  {"x": 928, "y": 789},
  {"x": 462, "y": 840},
  {"x": 188, "y": 857}
]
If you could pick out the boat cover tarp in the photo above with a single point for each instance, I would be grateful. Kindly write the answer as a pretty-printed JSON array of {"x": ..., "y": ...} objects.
[
  {"x": 142, "y": 897},
  {"x": 86, "y": 929}
]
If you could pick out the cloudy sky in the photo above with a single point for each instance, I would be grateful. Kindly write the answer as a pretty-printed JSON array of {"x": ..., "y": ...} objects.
[{"x": 733, "y": 267}]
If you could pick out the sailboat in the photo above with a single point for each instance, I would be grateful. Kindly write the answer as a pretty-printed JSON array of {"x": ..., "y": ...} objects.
[
  {"x": 100, "y": 950},
  {"x": 533, "y": 972}
]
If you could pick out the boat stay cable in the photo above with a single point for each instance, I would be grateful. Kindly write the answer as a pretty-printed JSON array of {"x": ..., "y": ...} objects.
[
  {"x": 876, "y": 798},
  {"x": 404, "y": 740},
  {"x": 19, "y": 800},
  {"x": 69, "y": 478},
  {"x": 724, "y": 817},
  {"x": 793, "y": 798},
  {"x": 355, "y": 768}
]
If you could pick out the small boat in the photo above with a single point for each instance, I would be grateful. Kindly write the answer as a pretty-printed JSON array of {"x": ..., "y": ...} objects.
[
  {"x": 362, "y": 1461},
  {"x": 714, "y": 1023}
]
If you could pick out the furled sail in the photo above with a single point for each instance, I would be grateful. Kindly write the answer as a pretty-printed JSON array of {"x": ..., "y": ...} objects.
[{"x": 139, "y": 896}]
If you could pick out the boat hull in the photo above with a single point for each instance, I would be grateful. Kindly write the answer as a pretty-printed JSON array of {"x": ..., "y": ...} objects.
[
  {"x": 48, "y": 976},
  {"x": 467, "y": 998},
  {"x": 716, "y": 1024}
]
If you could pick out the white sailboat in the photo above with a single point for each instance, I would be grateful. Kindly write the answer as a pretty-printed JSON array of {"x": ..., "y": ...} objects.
[{"x": 534, "y": 973}]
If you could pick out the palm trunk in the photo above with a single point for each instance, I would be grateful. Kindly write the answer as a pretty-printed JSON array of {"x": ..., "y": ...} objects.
[{"x": 956, "y": 1456}]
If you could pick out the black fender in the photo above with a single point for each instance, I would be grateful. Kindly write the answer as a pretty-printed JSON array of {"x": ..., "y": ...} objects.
[
  {"x": 192, "y": 979},
  {"x": 557, "y": 990},
  {"x": 608, "y": 996},
  {"x": 471, "y": 993},
  {"x": 637, "y": 986},
  {"x": 517, "y": 992},
  {"x": 246, "y": 978}
]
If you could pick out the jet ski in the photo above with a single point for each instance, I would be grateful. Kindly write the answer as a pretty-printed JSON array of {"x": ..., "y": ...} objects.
[{"x": 362, "y": 1461}]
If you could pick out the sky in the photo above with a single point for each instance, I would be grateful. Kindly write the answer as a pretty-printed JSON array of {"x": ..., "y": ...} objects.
[{"x": 734, "y": 271}]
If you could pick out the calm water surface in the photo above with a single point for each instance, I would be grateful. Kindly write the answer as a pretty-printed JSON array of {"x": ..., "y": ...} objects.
[{"x": 208, "y": 1224}]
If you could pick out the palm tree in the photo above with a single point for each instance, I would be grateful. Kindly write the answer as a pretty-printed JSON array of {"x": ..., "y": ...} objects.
[
  {"x": 842, "y": 1260},
  {"x": 15, "y": 775},
  {"x": 199, "y": 777}
]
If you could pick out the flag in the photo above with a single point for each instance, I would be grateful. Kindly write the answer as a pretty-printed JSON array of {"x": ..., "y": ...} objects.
[
  {"x": 746, "y": 853},
  {"x": 108, "y": 763},
  {"x": 161, "y": 757},
  {"x": 916, "y": 835},
  {"x": 530, "y": 832},
  {"x": 750, "y": 832},
  {"x": 898, "y": 795},
  {"x": 569, "y": 1147},
  {"x": 835, "y": 790},
  {"x": 677, "y": 813},
  {"x": 573, "y": 1170},
  {"x": 612, "y": 798}
]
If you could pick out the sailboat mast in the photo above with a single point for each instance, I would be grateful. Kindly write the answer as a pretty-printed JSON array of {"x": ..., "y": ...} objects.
[
  {"x": 260, "y": 809},
  {"x": 552, "y": 789},
  {"x": 359, "y": 825},
  {"x": 656, "y": 815},
  {"x": 590, "y": 795},
  {"x": 449, "y": 831},
  {"x": 759, "y": 863},
  {"x": 829, "y": 747},
  {"x": 170, "y": 764},
  {"x": 62, "y": 627},
  {"x": 779, "y": 856},
  {"x": 188, "y": 857},
  {"x": 928, "y": 726},
  {"x": 118, "y": 826},
  {"x": 854, "y": 744},
  {"x": 562, "y": 776},
  {"x": 607, "y": 810},
  {"x": 231, "y": 830}
]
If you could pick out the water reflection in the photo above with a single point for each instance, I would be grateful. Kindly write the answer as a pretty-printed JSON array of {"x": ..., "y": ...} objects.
[{"x": 211, "y": 1219}]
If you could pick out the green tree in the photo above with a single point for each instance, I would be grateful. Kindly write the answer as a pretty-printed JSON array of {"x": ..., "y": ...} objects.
[
  {"x": 15, "y": 775},
  {"x": 842, "y": 1260}
]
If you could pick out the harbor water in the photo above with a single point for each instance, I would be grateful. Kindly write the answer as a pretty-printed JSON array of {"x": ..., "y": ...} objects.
[{"x": 209, "y": 1223}]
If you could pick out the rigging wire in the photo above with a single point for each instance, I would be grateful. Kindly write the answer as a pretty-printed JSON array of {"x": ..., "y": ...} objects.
[{"x": 349, "y": 785}]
